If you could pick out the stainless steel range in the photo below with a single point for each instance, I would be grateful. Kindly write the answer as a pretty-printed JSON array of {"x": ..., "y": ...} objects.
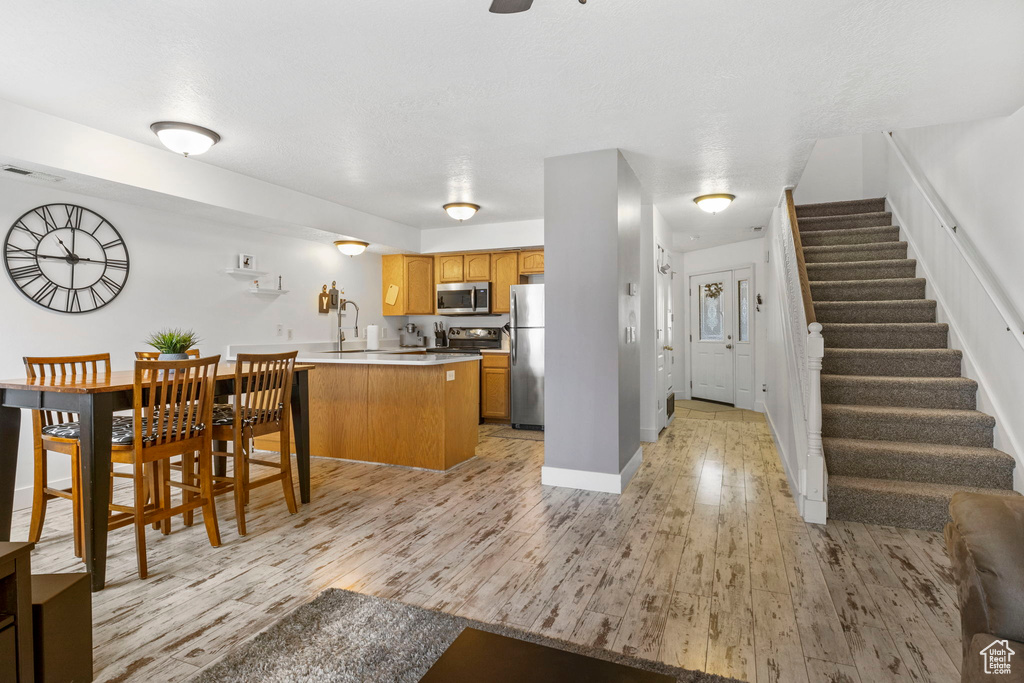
[{"x": 470, "y": 340}]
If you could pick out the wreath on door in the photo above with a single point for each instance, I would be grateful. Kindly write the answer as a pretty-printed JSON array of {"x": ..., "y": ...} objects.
[{"x": 713, "y": 290}]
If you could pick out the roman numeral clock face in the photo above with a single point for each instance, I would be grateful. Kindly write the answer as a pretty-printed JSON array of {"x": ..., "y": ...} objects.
[{"x": 66, "y": 258}]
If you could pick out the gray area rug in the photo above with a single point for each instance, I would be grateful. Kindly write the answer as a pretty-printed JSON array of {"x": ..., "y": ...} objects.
[
  {"x": 524, "y": 434},
  {"x": 349, "y": 637}
]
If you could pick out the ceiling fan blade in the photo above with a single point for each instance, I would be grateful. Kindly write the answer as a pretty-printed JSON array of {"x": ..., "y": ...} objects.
[{"x": 510, "y": 6}]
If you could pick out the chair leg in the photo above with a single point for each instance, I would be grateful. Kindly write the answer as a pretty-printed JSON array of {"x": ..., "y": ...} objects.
[
  {"x": 39, "y": 496},
  {"x": 241, "y": 484},
  {"x": 140, "y": 518},
  {"x": 247, "y": 453},
  {"x": 286, "y": 469},
  {"x": 187, "y": 477},
  {"x": 76, "y": 504},
  {"x": 206, "y": 486},
  {"x": 153, "y": 481},
  {"x": 165, "y": 494}
]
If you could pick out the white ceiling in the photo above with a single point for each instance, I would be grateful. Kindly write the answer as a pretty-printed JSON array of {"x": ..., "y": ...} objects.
[{"x": 397, "y": 107}]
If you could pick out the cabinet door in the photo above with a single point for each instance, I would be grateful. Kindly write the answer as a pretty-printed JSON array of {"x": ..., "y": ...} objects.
[
  {"x": 419, "y": 277},
  {"x": 393, "y": 276},
  {"x": 478, "y": 267},
  {"x": 494, "y": 399},
  {"x": 450, "y": 268},
  {"x": 504, "y": 274},
  {"x": 531, "y": 262}
]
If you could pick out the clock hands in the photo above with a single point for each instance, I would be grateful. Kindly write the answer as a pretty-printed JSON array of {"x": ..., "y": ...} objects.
[
  {"x": 64, "y": 258},
  {"x": 66, "y": 250}
]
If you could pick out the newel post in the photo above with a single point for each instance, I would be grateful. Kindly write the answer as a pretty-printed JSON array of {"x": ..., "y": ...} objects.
[{"x": 815, "y": 504}]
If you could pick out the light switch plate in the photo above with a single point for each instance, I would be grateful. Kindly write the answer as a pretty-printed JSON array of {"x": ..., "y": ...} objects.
[{"x": 451, "y": 375}]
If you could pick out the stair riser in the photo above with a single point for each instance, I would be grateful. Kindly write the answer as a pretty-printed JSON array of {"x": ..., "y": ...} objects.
[
  {"x": 841, "y": 208},
  {"x": 905, "y": 397},
  {"x": 979, "y": 472},
  {"x": 895, "y": 250},
  {"x": 817, "y": 272},
  {"x": 856, "y": 312},
  {"x": 888, "y": 509},
  {"x": 885, "y": 366},
  {"x": 863, "y": 220},
  {"x": 868, "y": 290},
  {"x": 835, "y": 238},
  {"x": 908, "y": 431},
  {"x": 898, "y": 337}
]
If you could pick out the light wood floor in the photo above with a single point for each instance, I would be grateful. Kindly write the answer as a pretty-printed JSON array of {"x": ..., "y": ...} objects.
[{"x": 702, "y": 563}]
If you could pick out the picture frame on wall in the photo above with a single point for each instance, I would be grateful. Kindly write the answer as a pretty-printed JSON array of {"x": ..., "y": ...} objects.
[{"x": 246, "y": 262}]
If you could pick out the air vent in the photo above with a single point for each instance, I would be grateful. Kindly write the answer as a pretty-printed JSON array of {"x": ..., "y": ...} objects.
[{"x": 36, "y": 175}]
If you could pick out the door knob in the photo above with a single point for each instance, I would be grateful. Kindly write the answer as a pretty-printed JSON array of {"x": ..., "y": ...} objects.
[
  {"x": 667, "y": 348},
  {"x": 728, "y": 346}
]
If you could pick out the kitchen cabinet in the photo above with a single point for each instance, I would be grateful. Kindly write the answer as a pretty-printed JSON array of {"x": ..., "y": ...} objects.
[
  {"x": 531, "y": 262},
  {"x": 504, "y": 274},
  {"x": 495, "y": 404},
  {"x": 408, "y": 284},
  {"x": 477, "y": 267},
  {"x": 450, "y": 268}
]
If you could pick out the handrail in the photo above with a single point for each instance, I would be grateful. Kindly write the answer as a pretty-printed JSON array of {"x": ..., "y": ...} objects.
[
  {"x": 1010, "y": 315},
  {"x": 805, "y": 285}
]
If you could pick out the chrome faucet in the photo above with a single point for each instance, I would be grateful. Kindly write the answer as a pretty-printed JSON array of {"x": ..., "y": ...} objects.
[{"x": 343, "y": 305}]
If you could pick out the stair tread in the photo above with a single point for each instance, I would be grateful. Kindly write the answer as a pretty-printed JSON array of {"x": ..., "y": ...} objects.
[
  {"x": 938, "y": 450},
  {"x": 900, "y": 352},
  {"x": 935, "y": 382},
  {"x": 878, "y": 263},
  {"x": 813, "y": 220},
  {"x": 947, "y": 415},
  {"x": 911, "y": 488},
  {"x": 872, "y": 303},
  {"x": 863, "y": 246},
  {"x": 847, "y": 326},
  {"x": 841, "y": 206}
]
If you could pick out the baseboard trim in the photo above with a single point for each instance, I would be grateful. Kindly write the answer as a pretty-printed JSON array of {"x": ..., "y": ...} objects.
[
  {"x": 649, "y": 435},
  {"x": 593, "y": 481}
]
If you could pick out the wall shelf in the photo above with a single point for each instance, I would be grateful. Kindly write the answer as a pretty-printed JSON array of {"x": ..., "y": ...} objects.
[
  {"x": 245, "y": 272},
  {"x": 267, "y": 292}
]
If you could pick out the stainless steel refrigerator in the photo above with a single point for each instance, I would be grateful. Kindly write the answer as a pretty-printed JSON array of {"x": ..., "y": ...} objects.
[{"x": 527, "y": 356}]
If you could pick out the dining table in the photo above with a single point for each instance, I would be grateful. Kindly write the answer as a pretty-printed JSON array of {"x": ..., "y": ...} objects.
[{"x": 95, "y": 399}]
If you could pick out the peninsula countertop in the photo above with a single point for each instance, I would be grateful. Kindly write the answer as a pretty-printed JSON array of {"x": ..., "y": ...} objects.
[{"x": 326, "y": 352}]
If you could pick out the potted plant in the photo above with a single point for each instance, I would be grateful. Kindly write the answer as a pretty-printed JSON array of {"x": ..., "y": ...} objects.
[{"x": 173, "y": 343}]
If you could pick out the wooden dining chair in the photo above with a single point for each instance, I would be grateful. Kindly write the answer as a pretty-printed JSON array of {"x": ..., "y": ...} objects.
[
  {"x": 45, "y": 438},
  {"x": 261, "y": 405},
  {"x": 172, "y": 415},
  {"x": 154, "y": 355}
]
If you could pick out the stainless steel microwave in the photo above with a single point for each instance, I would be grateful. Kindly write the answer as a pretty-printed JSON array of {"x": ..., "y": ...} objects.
[{"x": 464, "y": 298}]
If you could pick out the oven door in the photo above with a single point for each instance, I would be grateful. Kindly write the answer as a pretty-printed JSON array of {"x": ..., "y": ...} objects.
[{"x": 464, "y": 298}]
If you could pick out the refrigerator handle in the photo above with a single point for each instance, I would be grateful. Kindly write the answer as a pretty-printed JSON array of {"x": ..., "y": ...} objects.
[{"x": 513, "y": 337}]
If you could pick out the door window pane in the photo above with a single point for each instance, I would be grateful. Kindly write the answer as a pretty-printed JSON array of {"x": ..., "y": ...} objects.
[
  {"x": 711, "y": 312},
  {"x": 743, "y": 287}
]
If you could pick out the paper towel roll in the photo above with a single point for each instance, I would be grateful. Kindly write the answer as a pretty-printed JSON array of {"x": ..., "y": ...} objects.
[{"x": 372, "y": 337}]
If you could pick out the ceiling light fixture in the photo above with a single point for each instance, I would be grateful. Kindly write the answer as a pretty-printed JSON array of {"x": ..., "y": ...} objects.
[
  {"x": 713, "y": 203},
  {"x": 185, "y": 138},
  {"x": 351, "y": 247},
  {"x": 461, "y": 211}
]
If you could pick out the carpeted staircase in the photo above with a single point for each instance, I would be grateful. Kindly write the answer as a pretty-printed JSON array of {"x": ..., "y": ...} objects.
[{"x": 900, "y": 428}]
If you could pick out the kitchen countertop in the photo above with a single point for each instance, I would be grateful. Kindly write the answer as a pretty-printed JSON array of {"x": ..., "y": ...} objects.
[{"x": 324, "y": 352}]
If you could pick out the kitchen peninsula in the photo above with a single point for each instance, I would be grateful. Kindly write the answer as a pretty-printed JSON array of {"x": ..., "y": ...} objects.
[{"x": 395, "y": 406}]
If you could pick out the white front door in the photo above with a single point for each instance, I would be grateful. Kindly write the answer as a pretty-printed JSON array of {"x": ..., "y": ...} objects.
[
  {"x": 711, "y": 338},
  {"x": 743, "y": 333},
  {"x": 663, "y": 314}
]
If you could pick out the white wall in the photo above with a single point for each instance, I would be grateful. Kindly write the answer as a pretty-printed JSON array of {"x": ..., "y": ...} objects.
[
  {"x": 472, "y": 236},
  {"x": 735, "y": 255},
  {"x": 849, "y": 167},
  {"x": 177, "y": 280}
]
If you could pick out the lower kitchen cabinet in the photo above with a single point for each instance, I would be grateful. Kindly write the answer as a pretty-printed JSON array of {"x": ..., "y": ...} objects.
[{"x": 495, "y": 401}]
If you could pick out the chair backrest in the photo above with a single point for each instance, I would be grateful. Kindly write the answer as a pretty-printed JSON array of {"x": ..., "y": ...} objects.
[
  {"x": 263, "y": 385},
  {"x": 153, "y": 355},
  {"x": 173, "y": 401},
  {"x": 59, "y": 368}
]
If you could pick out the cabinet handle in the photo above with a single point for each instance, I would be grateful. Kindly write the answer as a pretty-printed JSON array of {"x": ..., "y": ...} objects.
[{"x": 728, "y": 346}]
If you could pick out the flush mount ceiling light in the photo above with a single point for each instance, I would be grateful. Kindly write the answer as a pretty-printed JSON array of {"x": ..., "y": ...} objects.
[
  {"x": 461, "y": 211},
  {"x": 185, "y": 138},
  {"x": 713, "y": 203},
  {"x": 351, "y": 247}
]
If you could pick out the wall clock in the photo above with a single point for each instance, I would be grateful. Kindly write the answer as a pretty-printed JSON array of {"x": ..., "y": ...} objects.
[{"x": 66, "y": 258}]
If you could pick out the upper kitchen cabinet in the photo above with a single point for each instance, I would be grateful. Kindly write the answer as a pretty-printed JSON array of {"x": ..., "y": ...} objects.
[
  {"x": 504, "y": 274},
  {"x": 450, "y": 268},
  {"x": 408, "y": 284},
  {"x": 477, "y": 267},
  {"x": 531, "y": 262}
]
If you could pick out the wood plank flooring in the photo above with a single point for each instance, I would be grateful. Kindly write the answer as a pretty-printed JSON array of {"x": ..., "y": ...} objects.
[{"x": 703, "y": 563}]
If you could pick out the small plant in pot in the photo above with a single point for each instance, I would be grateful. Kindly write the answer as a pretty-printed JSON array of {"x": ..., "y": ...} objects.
[{"x": 173, "y": 344}]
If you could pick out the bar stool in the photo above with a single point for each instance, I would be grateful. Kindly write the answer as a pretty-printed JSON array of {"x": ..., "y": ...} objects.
[
  {"x": 261, "y": 405},
  {"x": 46, "y": 438}
]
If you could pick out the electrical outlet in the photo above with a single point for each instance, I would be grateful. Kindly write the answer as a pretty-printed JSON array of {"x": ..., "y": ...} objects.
[
  {"x": 451, "y": 376},
  {"x": 384, "y": 332},
  {"x": 280, "y": 329},
  {"x": 291, "y": 333}
]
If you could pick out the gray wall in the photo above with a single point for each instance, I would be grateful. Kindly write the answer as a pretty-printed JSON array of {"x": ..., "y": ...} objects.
[{"x": 591, "y": 250}]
